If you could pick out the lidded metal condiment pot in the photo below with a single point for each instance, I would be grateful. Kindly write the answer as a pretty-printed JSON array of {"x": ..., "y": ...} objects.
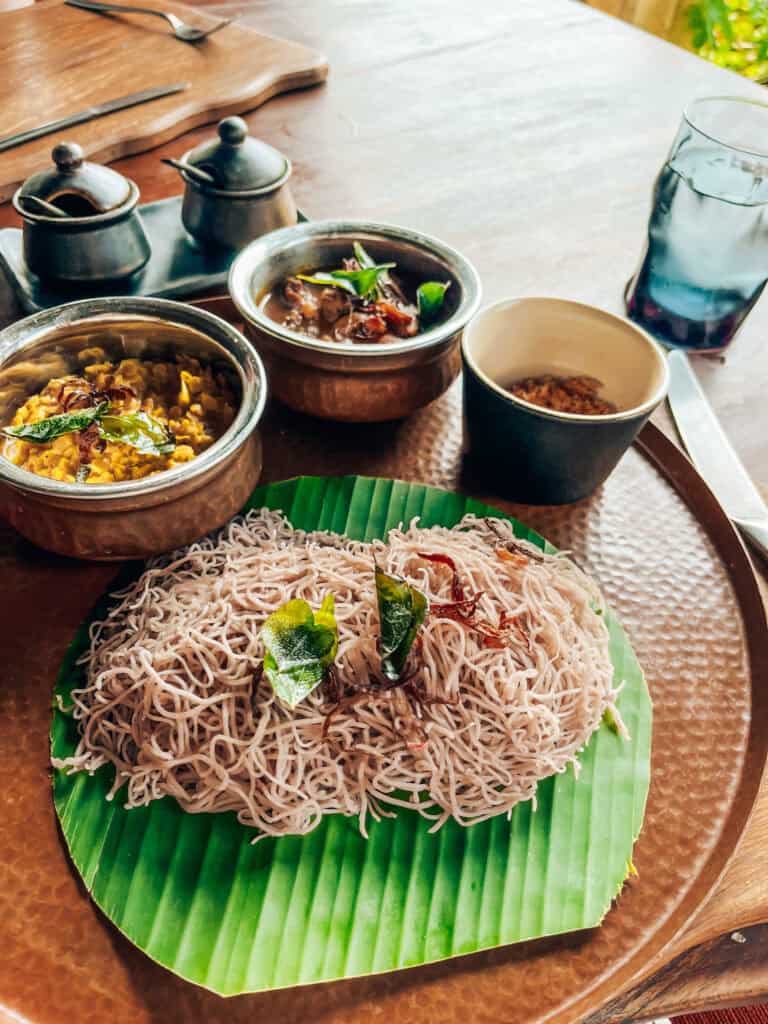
[
  {"x": 80, "y": 221},
  {"x": 236, "y": 187}
]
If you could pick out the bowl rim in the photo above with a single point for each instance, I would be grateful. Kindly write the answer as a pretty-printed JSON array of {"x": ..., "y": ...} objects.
[
  {"x": 150, "y": 310},
  {"x": 242, "y": 269},
  {"x": 634, "y": 412},
  {"x": 71, "y": 224}
]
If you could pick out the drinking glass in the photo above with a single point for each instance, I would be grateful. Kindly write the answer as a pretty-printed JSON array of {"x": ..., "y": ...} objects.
[{"x": 705, "y": 261}]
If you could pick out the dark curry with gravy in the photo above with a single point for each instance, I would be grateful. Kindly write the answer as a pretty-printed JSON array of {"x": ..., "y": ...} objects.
[{"x": 359, "y": 302}]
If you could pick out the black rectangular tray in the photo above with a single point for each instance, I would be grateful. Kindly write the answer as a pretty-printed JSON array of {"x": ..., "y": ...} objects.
[{"x": 179, "y": 266}]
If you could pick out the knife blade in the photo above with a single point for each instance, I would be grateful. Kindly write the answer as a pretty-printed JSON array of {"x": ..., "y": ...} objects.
[
  {"x": 713, "y": 454},
  {"x": 121, "y": 103}
]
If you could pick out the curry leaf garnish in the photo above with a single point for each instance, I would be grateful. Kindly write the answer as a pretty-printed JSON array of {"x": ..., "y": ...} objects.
[
  {"x": 324, "y": 278},
  {"x": 430, "y": 296},
  {"x": 49, "y": 429},
  {"x": 299, "y": 646},
  {"x": 611, "y": 722},
  {"x": 367, "y": 261},
  {"x": 139, "y": 430},
  {"x": 362, "y": 256},
  {"x": 363, "y": 281},
  {"x": 402, "y": 609}
]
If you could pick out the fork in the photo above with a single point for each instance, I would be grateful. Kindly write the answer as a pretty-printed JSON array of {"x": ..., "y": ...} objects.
[{"x": 187, "y": 33}]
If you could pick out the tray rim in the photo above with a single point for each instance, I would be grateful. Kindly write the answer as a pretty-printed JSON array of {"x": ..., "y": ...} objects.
[{"x": 679, "y": 472}]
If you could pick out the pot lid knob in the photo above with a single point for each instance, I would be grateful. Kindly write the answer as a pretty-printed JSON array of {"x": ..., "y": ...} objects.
[
  {"x": 233, "y": 131},
  {"x": 67, "y": 156},
  {"x": 76, "y": 186},
  {"x": 237, "y": 161}
]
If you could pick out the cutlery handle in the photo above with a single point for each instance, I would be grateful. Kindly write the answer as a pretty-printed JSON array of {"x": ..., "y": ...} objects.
[
  {"x": 93, "y": 5},
  {"x": 756, "y": 533}
]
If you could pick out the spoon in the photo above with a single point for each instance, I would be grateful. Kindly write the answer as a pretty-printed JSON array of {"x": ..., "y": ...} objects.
[
  {"x": 194, "y": 172},
  {"x": 44, "y": 207}
]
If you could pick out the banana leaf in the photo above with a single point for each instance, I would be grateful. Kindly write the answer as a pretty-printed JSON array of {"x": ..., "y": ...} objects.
[{"x": 196, "y": 895}]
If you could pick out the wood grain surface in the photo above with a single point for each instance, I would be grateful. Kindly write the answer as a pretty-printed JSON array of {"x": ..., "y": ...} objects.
[
  {"x": 653, "y": 15},
  {"x": 57, "y": 60},
  {"x": 528, "y": 135}
]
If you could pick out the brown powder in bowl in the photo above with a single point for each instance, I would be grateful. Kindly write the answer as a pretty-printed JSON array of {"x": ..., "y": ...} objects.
[{"x": 563, "y": 394}]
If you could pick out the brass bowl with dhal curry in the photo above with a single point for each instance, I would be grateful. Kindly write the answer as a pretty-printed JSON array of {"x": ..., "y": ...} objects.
[{"x": 127, "y": 426}]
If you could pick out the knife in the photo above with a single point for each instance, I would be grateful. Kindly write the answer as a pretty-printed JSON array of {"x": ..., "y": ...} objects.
[
  {"x": 132, "y": 100},
  {"x": 712, "y": 453}
]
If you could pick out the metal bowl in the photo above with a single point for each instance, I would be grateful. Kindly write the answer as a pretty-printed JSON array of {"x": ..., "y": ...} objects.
[
  {"x": 136, "y": 518},
  {"x": 358, "y": 383}
]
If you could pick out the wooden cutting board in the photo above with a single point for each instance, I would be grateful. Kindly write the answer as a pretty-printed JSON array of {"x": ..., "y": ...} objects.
[{"x": 57, "y": 60}]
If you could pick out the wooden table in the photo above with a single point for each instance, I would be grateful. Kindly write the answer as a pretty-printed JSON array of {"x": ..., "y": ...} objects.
[
  {"x": 659, "y": 16},
  {"x": 528, "y": 135}
]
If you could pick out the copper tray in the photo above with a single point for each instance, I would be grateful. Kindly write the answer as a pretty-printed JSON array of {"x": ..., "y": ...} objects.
[{"x": 675, "y": 570}]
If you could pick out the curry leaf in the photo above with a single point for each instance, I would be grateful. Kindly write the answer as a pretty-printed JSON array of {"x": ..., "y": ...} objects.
[
  {"x": 367, "y": 261},
  {"x": 54, "y": 426},
  {"x": 402, "y": 609},
  {"x": 363, "y": 281},
  {"x": 611, "y": 722},
  {"x": 139, "y": 430},
  {"x": 299, "y": 646},
  {"x": 362, "y": 256},
  {"x": 430, "y": 296},
  {"x": 324, "y": 278}
]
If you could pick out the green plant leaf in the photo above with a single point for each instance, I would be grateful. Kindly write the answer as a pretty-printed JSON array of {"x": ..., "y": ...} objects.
[
  {"x": 54, "y": 426},
  {"x": 325, "y": 278},
  {"x": 710, "y": 24},
  {"x": 193, "y": 893},
  {"x": 361, "y": 255},
  {"x": 363, "y": 281},
  {"x": 698, "y": 26},
  {"x": 430, "y": 297},
  {"x": 299, "y": 647},
  {"x": 402, "y": 609},
  {"x": 139, "y": 430}
]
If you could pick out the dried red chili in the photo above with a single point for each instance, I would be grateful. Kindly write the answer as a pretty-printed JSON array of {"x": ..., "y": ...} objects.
[
  {"x": 463, "y": 609},
  {"x": 457, "y": 591}
]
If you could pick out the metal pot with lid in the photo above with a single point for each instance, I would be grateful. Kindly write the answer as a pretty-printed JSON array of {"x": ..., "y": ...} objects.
[
  {"x": 236, "y": 187},
  {"x": 81, "y": 224}
]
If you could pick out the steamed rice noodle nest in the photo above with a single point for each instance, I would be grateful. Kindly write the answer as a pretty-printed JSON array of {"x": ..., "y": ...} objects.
[{"x": 493, "y": 702}]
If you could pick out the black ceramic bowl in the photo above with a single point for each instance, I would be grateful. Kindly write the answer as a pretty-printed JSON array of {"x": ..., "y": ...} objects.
[{"x": 536, "y": 455}]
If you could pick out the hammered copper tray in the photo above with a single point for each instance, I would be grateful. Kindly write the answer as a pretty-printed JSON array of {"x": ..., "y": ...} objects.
[{"x": 675, "y": 571}]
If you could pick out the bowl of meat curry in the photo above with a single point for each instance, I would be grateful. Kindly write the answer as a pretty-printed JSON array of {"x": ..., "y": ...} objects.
[{"x": 356, "y": 321}]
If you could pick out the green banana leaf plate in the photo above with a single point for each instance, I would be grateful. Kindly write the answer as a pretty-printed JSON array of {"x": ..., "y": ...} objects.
[{"x": 195, "y": 894}]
